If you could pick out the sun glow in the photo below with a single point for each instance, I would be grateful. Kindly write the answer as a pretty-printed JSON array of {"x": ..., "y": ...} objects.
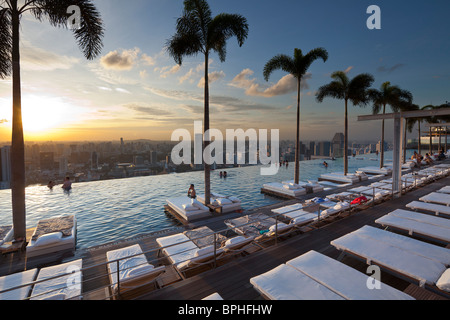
[{"x": 41, "y": 114}]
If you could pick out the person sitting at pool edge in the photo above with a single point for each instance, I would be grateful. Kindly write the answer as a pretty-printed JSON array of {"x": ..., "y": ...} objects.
[{"x": 191, "y": 192}]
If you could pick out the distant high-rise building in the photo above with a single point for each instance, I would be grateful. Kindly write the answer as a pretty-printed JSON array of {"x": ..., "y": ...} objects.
[
  {"x": 5, "y": 167},
  {"x": 46, "y": 160},
  {"x": 153, "y": 157},
  {"x": 63, "y": 166},
  {"x": 94, "y": 160},
  {"x": 338, "y": 145}
]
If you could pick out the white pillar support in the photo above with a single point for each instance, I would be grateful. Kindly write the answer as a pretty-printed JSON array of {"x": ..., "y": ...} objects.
[{"x": 397, "y": 157}]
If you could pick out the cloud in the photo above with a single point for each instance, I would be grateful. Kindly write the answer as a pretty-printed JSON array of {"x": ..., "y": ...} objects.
[
  {"x": 348, "y": 69},
  {"x": 3, "y": 121},
  {"x": 124, "y": 60},
  {"x": 149, "y": 61},
  {"x": 285, "y": 85},
  {"x": 166, "y": 71},
  {"x": 212, "y": 77},
  {"x": 121, "y": 90},
  {"x": 390, "y": 69},
  {"x": 148, "y": 110},
  {"x": 37, "y": 59}
]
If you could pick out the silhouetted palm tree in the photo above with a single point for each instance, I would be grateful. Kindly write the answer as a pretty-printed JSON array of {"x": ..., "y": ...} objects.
[
  {"x": 392, "y": 96},
  {"x": 198, "y": 32},
  {"x": 297, "y": 67},
  {"x": 89, "y": 38},
  {"x": 345, "y": 89}
]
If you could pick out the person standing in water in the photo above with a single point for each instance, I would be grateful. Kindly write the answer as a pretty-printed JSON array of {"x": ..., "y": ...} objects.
[
  {"x": 191, "y": 192},
  {"x": 67, "y": 185}
]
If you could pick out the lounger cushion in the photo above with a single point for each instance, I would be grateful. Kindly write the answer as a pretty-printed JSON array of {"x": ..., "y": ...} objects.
[
  {"x": 279, "y": 226},
  {"x": 48, "y": 239},
  {"x": 140, "y": 270},
  {"x": 234, "y": 199},
  {"x": 56, "y": 296},
  {"x": 189, "y": 207},
  {"x": 234, "y": 241},
  {"x": 224, "y": 201},
  {"x": 444, "y": 281},
  {"x": 204, "y": 251}
]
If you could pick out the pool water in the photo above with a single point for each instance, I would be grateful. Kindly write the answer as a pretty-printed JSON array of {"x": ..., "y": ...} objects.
[{"x": 117, "y": 209}]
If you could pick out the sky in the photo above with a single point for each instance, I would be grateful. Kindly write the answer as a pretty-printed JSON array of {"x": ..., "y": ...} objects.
[{"x": 135, "y": 90}]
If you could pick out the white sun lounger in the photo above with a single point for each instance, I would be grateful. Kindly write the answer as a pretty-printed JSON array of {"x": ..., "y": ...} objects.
[
  {"x": 437, "y": 209},
  {"x": 67, "y": 285},
  {"x": 287, "y": 209},
  {"x": 228, "y": 204},
  {"x": 279, "y": 188},
  {"x": 407, "y": 264},
  {"x": 436, "y": 197},
  {"x": 417, "y": 223},
  {"x": 6, "y": 234},
  {"x": 342, "y": 279},
  {"x": 183, "y": 206},
  {"x": 134, "y": 269},
  {"x": 14, "y": 281},
  {"x": 53, "y": 242},
  {"x": 178, "y": 248},
  {"x": 445, "y": 189},
  {"x": 422, "y": 248},
  {"x": 214, "y": 296},
  {"x": 286, "y": 283}
]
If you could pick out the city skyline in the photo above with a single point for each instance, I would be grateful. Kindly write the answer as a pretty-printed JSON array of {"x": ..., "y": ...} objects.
[{"x": 135, "y": 90}]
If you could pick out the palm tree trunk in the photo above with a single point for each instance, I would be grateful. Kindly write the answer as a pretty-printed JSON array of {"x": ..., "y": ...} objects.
[
  {"x": 431, "y": 141},
  {"x": 297, "y": 143},
  {"x": 18, "y": 147},
  {"x": 382, "y": 141},
  {"x": 206, "y": 129},
  {"x": 346, "y": 139}
]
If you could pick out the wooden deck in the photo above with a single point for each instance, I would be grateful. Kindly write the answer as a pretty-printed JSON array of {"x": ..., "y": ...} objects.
[{"x": 231, "y": 280}]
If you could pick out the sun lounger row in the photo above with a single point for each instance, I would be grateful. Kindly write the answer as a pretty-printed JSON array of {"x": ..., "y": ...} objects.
[
  {"x": 437, "y": 209},
  {"x": 60, "y": 282},
  {"x": 413, "y": 260},
  {"x": 418, "y": 223},
  {"x": 314, "y": 276},
  {"x": 184, "y": 254}
]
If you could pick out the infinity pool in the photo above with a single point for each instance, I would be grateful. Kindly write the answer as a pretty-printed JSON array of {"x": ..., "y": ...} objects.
[{"x": 116, "y": 209}]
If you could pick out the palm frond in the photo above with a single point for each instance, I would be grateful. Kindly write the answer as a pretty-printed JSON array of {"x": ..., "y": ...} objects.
[
  {"x": 315, "y": 54},
  {"x": 89, "y": 36},
  {"x": 280, "y": 61},
  {"x": 358, "y": 89},
  {"x": 5, "y": 43},
  {"x": 334, "y": 90},
  {"x": 223, "y": 27}
]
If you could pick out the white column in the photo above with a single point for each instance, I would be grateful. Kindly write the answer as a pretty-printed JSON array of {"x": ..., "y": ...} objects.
[{"x": 397, "y": 156}]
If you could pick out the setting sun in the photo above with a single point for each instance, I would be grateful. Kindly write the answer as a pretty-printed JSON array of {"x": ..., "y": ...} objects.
[{"x": 42, "y": 114}]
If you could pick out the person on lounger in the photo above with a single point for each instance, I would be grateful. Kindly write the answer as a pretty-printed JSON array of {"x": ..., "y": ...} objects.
[
  {"x": 191, "y": 192},
  {"x": 428, "y": 159}
]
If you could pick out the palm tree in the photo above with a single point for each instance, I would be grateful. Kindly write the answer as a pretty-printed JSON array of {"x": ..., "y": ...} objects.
[
  {"x": 392, "y": 96},
  {"x": 297, "y": 67},
  {"x": 198, "y": 32},
  {"x": 354, "y": 90},
  {"x": 89, "y": 38}
]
